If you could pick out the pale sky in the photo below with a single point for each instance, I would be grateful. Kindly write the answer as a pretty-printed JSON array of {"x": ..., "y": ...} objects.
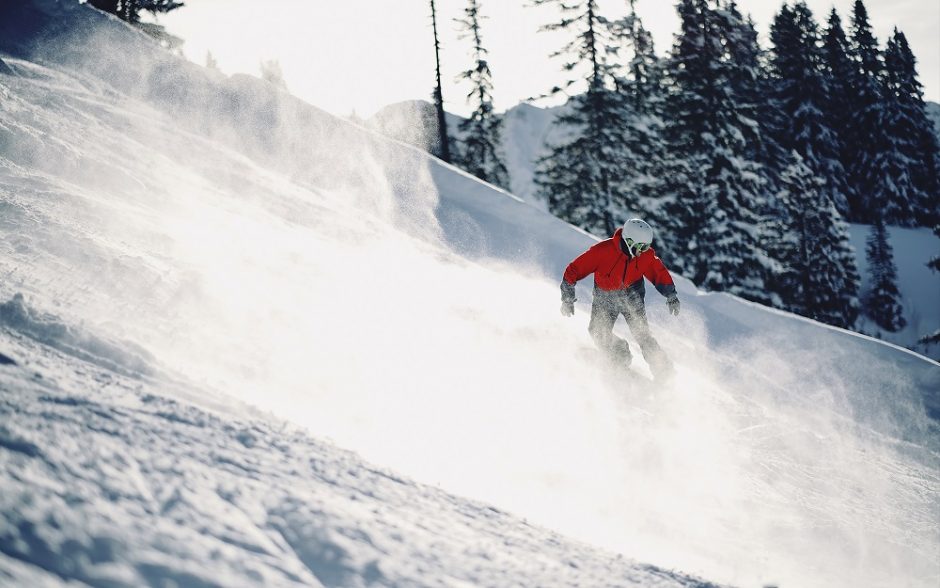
[{"x": 350, "y": 56}]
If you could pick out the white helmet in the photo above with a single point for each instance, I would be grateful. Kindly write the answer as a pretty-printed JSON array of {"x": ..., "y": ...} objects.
[{"x": 637, "y": 234}]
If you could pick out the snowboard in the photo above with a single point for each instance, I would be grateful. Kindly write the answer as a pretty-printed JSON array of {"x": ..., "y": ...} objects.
[
  {"x": 636, "y": 390},
  {"x": 613, "y": 369}
]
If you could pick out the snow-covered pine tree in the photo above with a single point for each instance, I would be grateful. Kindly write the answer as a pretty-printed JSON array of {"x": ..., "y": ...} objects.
[
  {"x": 934, "y": 262},
  {"x": 641, "y": 146},
  {"x": 879, "y": 171},
  {"x": 838, "y": 73},
  {"x": 271, "y": 72},
  {"x": 685, "y": 110},
  {"x": 800, "y": 94},
  {"x": 713, "y": 186},
  {"x": 864, "y": 138},
  {"x": 746, "y": 75},
  {"x": 891, "y": 162},
  {"x": 579, "y": 177},
  {"x": 687, "y": 208},
  {"x": 129, "y": 11},
  {"x": 914, "y": 132},
  {"x": 480, "y": 149},
  {"x": 882, "y": 300},
  {"x": 442, "y": 149},
  {"x": 817, "y": 277},
  {"x": 643, "y": 79},
  {"x": 110, "y": 6}
]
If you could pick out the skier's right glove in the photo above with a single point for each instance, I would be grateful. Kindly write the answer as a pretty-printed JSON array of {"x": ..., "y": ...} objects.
[
  {"x": 567, "y": 298},
  {"x": 673, "y": 302}
]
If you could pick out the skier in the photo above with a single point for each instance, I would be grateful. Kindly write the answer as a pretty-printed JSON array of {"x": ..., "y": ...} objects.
[{"x": 619, "y": 265}]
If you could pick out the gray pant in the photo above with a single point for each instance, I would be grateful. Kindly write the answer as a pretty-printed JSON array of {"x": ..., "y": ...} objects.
[{"x": 606, "y": 309}]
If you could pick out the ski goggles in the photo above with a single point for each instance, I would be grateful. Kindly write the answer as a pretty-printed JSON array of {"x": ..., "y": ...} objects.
[{"x": 639, "y": 247}]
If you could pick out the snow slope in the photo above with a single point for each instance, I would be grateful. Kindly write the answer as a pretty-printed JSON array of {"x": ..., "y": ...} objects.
[
  {"x": 214, "y": 241},
  {"x": 109, "y": 481},
  {"x": 918, "y": 284}
]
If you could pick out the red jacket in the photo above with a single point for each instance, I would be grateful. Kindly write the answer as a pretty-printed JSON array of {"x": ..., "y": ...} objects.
[{"x": 615, "y": 270}]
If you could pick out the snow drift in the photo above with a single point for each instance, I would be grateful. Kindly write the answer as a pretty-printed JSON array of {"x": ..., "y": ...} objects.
[
  {"x": 108, "y": 482},
  {"x": 240, "y": 242}
]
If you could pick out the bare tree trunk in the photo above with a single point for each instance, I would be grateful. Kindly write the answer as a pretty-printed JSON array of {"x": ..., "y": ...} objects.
[{"x": 438, "y": 94}]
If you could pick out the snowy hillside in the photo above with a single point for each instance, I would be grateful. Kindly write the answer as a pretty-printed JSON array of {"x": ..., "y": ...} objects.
[
  {"x": 528, "y": 128},
  {"x": 109, "y": 481},
  {"x": 933, "y": 112},
  {"x": 205, "y": 280},
  {"x": 918, "y": 284}
]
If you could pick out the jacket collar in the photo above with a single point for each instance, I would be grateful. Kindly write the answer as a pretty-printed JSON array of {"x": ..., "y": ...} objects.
[{"x": 622, "y": 245}]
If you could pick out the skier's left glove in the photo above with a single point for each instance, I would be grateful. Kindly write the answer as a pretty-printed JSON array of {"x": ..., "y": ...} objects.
[{"x": 673, "y": 302}]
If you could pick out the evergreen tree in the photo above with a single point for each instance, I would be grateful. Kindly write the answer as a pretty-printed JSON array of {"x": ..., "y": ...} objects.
[
  {"x": 714, "y": 185},
  {"x": 890, "y": 163},
  {"x": 882, "y": 156},
  {"x": 109, "y": 6},
  {"x": 579, "y": 177},
  {"x": 641, "y": 144},
  {"x": 800, "y": 94},
  {"x": 129, "y": 10},
  {"x": 838, "y": 73},
  {"x": 745, "y": 73},
  {"x": 643, "y": 79},
  {"x": 934, "y": 264},
  {"x": 443, "y": 146},
  {"x": 912, "y": 129},
  {"x": 686, "y": 208},
  {"x": 882, "y": 304},
  {"x": 863, "y": 50},
  {"x": 271, "y": 72},
  {"x": 481, "y": 151},
  {"x": 873, "y": 162},
  {"x": 817, "y": 276}
]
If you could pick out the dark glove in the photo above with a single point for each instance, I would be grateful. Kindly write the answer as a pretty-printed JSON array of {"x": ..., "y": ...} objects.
[
  {"x": 567, "y": 292},
  {"x": 567, "y": 298},
  {"x": 673, "y": 302}
]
